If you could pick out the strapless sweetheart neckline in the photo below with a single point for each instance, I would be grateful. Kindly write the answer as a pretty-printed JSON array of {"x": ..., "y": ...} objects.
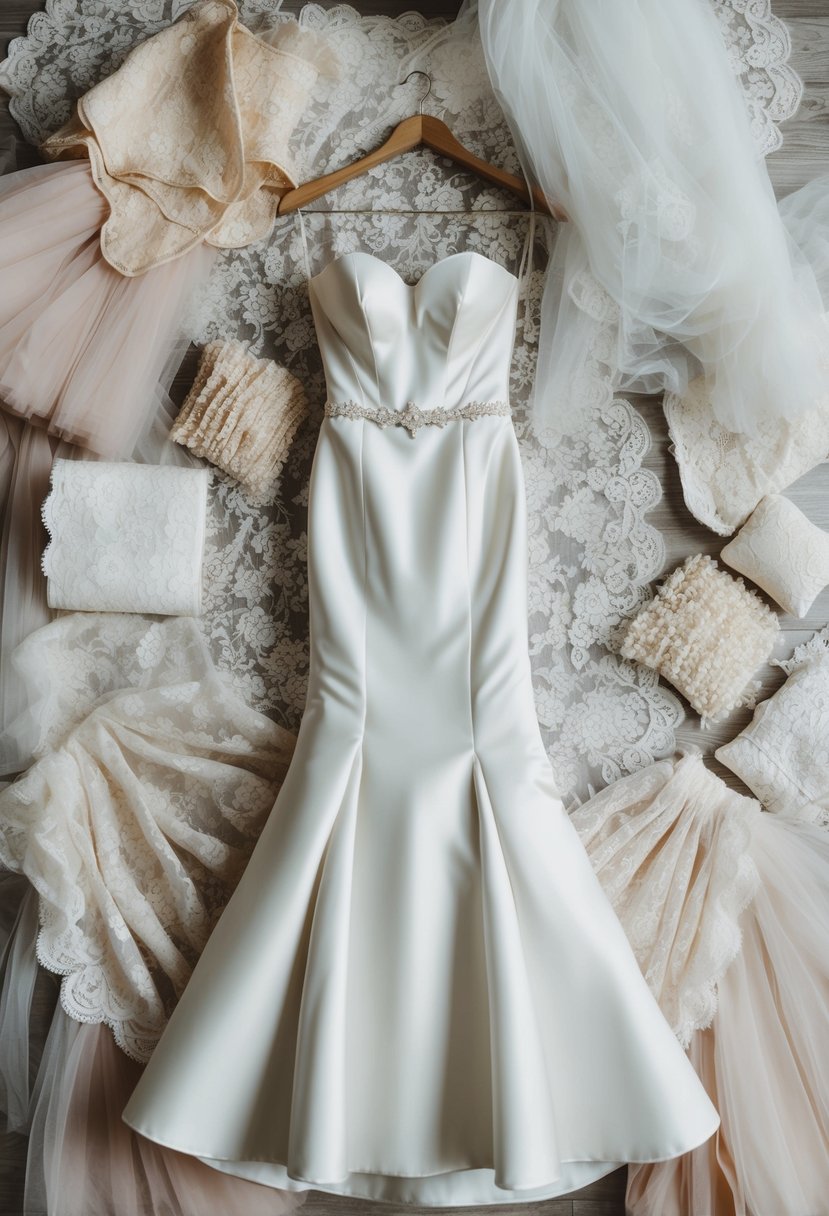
[{"x": 451, "y": 257}]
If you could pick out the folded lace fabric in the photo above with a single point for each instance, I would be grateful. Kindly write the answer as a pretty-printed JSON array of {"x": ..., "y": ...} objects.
[
  {"x": 151, "y": 783},
  {"x": 188, "y": 139},
  {"x": 125, "y": 537},
  {"x": 725, "y": 474},
  {"x": 783, "y": 753},
  {"x": 242, "y": 414}
]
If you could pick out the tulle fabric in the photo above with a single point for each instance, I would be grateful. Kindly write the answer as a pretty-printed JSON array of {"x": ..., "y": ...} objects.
[
  {"x": 672, "y": 213},
  {"x": 758, "y": 1041},
  {"x": 85, "y": 1161},
  {"x": 86, "y": 356},
  {"x": 670, "y": 847},
  {"x": 26, "y": 455},
  {"x": 82, "y": 347}
]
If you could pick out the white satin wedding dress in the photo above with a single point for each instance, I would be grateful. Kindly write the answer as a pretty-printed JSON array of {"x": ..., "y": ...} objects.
[{"x": 418, "y": 992}]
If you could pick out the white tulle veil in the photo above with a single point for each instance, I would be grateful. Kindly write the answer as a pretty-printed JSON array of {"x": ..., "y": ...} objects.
[{"x": 628, "y": 114}]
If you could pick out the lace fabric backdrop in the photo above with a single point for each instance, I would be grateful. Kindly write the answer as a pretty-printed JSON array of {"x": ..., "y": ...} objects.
[{"x": 593, "y": 551}]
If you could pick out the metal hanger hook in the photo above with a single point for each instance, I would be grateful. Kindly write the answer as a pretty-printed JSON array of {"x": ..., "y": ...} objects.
[{"x": 426, "y": 77}]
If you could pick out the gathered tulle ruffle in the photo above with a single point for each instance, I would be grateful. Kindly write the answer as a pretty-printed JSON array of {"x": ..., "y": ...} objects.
[
  {"x": 82, "y": 347},
  {"x": 726, "y": 907}
]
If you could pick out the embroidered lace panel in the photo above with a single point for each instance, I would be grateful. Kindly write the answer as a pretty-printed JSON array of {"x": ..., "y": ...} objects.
[{"x": 413, "y": 417}]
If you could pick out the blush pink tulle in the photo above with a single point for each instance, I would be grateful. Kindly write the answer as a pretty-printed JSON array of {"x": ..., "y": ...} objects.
[
  {"x": 82, "y": 1159},
  {"x": 82, "y": 347},
  {"x": 764, "y": 1058},
  {"x": 100, "y": 1167}
]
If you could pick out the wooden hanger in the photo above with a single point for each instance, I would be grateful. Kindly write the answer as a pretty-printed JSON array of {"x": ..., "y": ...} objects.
[{"x": 426, "y": 131}]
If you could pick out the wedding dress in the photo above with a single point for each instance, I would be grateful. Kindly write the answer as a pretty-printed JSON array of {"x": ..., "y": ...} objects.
[{"x": 418, "y": 992}]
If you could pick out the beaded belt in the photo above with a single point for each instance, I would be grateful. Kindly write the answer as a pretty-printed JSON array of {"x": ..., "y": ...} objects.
[{"x": 412, "y": 417}]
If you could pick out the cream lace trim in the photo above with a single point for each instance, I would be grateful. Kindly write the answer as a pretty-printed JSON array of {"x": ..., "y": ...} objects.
[
  {"x": 412, "y": 417},
  {"x": 242, "y": 414}
]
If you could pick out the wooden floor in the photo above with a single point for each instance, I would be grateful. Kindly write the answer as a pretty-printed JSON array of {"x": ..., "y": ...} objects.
[{"x": 806, "y": 153}]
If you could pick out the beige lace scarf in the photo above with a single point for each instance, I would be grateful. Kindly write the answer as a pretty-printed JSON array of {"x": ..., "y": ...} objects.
[{"x": 188, "y": 138}]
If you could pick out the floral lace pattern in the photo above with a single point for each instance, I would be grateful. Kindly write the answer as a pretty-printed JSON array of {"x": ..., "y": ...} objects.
[
  {"x": 760, "y": 47},
  {"x": 138, "y": 818},
  {"x": 783, "y": 552},
  {"x": 671, "y": 847},
  {"x": 592, "y": 550},
  {"x": 783, "y": 753},
  {"x": 724, "y": 475}
]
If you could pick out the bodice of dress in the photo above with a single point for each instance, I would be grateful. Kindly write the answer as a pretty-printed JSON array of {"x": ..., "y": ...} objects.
[{"x": 443, "y": 344}]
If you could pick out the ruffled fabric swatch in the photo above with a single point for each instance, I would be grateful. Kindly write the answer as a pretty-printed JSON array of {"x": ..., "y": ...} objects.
[
  {"x": 188, "y": 139},
  {"x": 242, "y": 414},
  {"x": 125, "y": 537},
  {"x": 707, "y": 634},
  {"x": 151, "y": 785}
]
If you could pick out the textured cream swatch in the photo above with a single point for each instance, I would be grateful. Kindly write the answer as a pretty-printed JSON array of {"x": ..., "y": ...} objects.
[
  {"x": 783, "y": 552},
  {"x": 242, "y": 414},
  {"x": 707, "y": 634}
]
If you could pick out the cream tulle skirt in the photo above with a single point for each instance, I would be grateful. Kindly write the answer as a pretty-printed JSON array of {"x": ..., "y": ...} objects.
[{"x": 727, "y": 909}]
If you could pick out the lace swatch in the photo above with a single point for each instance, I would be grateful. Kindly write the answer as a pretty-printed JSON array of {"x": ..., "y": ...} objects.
[
  {"x": 152, "y": 782},
  {"x": 783, "y": 753},
  {"x": 724, "y": 475},
  {"x": 180, "y": 164},
  {"x": 125, "y": 537},
  {"x": 783, "y": 552},
  {"x": 707, "y": 634},
  {"x": 242, "y": 414}
]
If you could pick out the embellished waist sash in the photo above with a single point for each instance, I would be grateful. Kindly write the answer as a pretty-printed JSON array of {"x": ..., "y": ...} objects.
[{"x": 412, "y": 417}]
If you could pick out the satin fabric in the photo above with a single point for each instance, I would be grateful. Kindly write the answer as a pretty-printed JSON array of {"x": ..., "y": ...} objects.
[{"x": 419, "y": 992}]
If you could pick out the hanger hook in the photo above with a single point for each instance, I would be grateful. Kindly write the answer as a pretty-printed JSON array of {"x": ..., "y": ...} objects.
[{"x": 426, "y": 77}]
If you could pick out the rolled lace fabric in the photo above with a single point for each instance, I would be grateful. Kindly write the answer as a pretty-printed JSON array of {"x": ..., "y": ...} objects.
[
  {"x": 242, "y": 414},
  {"x": 707, "y": 634},
  {"x": 125, "y": 537}
]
